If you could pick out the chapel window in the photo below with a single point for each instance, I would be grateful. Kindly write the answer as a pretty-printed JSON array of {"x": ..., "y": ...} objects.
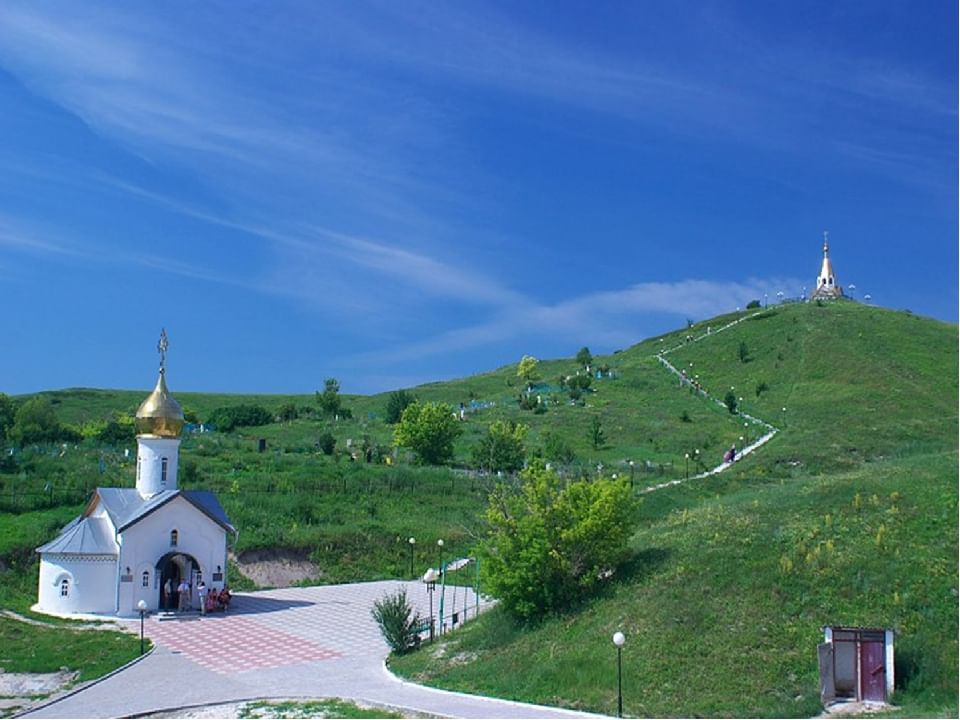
[
  {"x": 174, "y": 537},
  {"x": 64, "y": 587},
  {"x": 163, "y": 471},
  {"x": 138, "y": 469},
  {"x": 145, "y": 581}
]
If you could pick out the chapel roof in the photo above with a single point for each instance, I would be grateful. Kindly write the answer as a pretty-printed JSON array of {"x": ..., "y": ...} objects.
[
  {"x": 83, "y": 536},
  {"x": 126, "y": 506}
]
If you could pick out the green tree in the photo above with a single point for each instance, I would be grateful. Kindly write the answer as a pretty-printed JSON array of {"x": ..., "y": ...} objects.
[
  {"x": 584, "y": 358},
  {"x": 35, "y": 422},
  {"x": 597, "y": 436},
  {"x": 527, "y": 369},
  {"x": 743, "y": 352},
  {"x": 753, "y": 304},
  {"x": 551, "y": 545},
  {"x": 578, "y": 385},
  {"x": 429, "y": 429},
  {"x": 8, "y": 414},
  {"x": 329, "y": 399},
  {"x": 397, "y": 402},
  {"x": 556, "y": 448},
  {"x": 501, "y": 449}
]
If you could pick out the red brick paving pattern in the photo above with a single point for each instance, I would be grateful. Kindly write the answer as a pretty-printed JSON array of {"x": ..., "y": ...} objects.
[{"x": 235, "y": 644}]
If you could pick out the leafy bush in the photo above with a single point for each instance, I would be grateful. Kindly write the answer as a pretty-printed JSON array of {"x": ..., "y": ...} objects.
[
  {"x": 226, "y": 419},
  {"x": 327, "y": 443},
  {"x": 550, "y": 546},
  {"x": 398, "y": 401},
  {"x": 397, "y": 621},
  {"x": 730, "y": 400},
  {"x": 429, "y": 429},
  {"x": 584, "y": 357},
  {"x": 501, "y": 449},
  {"x": 762, "y": 387},
  {"x": 753, "y": 304},
  {"x": 287, "y": 411},
  {"x": 118, "y": 432}
]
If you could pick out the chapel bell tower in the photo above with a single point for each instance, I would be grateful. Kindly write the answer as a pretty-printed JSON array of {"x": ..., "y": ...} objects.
[{"x": 159, "y": 421}]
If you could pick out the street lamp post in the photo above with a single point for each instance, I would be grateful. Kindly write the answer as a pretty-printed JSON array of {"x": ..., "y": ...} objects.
[
  {"x": 412, "y": 542},
  {"x": 686, "y": 466},
  {"x": 440, "y": 550},
  {"x": 784, "y": 410},
  {"x": 746, "y": 431},
  {"x": 142, "y": 607},
  {"x": 741, "y": 444},
  {"x": 430, "y": 580},
  {"x": 631, "y": 473},
  {"x": 619, "y": 640}
]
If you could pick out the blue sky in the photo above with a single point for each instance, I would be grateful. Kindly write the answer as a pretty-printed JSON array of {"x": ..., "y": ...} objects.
[{"x": 398, "y": 192}]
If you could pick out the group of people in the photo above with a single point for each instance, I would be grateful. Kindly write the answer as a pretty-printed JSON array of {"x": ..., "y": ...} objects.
[{"x": 211, "y": 599}]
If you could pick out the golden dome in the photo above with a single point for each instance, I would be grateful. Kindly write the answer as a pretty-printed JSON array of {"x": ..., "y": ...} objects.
[{"x": 160, "y": 415}]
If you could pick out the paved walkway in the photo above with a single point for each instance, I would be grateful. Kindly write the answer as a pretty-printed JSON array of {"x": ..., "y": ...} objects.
[
  {"x": 295, "y": 642},
  {"x": 686, "y": 381}
]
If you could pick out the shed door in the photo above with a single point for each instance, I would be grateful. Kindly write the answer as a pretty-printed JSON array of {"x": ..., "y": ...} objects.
[
  {"x": 828, "y": 690},
  {"x": 872, "y": 671}
]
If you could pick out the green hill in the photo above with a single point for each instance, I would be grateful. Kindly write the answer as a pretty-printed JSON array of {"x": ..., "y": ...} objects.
[{"x": 847, "y": 516}]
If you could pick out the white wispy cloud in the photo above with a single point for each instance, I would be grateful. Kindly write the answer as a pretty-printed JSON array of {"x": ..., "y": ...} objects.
[{"x": 607, "y": 319}]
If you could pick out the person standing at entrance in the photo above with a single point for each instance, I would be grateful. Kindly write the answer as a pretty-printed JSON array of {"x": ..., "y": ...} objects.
[
  {"x": 184, "y": 590},
  {"x": 167, "y": 593},
  {"x": 202, "y": 592}
]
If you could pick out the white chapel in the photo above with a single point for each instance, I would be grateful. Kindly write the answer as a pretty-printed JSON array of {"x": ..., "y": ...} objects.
[
  {"x": 129, "y": 541},
  {"x": 827, "y": 287}
]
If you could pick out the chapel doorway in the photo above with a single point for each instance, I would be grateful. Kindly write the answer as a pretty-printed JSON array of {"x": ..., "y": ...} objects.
[{"x": 175, "y": 566}]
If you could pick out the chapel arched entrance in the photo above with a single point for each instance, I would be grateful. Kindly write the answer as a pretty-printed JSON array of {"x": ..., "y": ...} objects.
[{"x": 176, "y": 566}]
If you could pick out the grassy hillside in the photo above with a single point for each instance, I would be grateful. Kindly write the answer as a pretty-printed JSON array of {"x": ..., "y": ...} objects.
[{"x": 848, "y": 516}]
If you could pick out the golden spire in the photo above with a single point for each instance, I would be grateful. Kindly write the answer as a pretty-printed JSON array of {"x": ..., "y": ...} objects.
[{"x": 160, "y": 415}]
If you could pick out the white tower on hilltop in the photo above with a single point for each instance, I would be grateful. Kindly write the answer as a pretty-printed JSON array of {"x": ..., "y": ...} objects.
[
  {"x": 159, "y": 421},
  {"x": 827, "y": 287}
]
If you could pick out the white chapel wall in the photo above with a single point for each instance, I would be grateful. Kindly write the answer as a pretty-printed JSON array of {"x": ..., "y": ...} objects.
[
  {"x": 147, "y": 541},
  {"x": 91, "y": 583}
]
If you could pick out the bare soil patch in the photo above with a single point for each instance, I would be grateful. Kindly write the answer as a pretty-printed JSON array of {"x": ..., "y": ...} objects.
[{"x": 277, "y": 568}]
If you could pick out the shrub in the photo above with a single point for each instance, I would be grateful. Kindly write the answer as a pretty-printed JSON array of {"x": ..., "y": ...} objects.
[
  {"x": 597, "y": 436},
  {"x": 762, "y": 387},
  {"x": 118, "y": 432},
  {"x": 398, "y": 623},
  {"x": 753, "y": 304},
  {"x": 398, "y": 401},
  {"x": 287, "y": 411},
  {"x": 226, "y": 419},
  {"x": 743, "y": 352},
  {"x": 730, "y": 400},
  {"x": 36, "y": 422},
  {"x": 685, "y": 417},
  {"x": 584, "y": 358},
  {"x": 327, "y": 443},
  {"x": 550, "y": 546}
]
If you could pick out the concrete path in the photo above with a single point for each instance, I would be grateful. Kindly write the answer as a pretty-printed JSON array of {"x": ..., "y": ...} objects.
[
  {"x": 687, "y": 381},
  {"x": 295, "y": 642}
]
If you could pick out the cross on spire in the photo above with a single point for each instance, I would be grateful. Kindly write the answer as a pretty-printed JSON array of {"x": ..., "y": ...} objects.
[
  {"x": 826, "y": 238},
  {"x": 162, "y": 346}
]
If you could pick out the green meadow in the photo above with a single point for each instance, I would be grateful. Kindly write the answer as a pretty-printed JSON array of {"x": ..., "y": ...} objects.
[{"x": 847, "y": 516}]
